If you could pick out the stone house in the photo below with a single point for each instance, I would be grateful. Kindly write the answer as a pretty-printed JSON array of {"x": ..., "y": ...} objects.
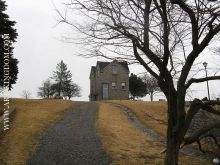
[{"x": 109, "y": 81}]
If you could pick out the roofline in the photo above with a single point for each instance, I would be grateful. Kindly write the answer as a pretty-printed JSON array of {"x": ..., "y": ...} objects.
[{"x": 127, "y": 68}]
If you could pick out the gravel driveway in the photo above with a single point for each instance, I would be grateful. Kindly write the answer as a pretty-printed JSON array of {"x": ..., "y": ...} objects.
[{"x": 72, "y": 141}]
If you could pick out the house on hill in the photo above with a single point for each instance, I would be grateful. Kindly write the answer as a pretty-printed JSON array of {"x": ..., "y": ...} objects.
[{"x": 109, "y": 81}]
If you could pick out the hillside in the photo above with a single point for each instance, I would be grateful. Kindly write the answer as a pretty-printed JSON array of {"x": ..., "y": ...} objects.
[
  {"x": 31, "y": 119},
  {"x": 127, "y": 142},
  {"x": 152, "y": 114}
]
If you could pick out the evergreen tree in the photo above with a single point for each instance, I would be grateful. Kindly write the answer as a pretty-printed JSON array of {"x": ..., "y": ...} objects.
[
  {"x": 62, "y": 85},
  {"x": 62, "y": 77},
  {"x": 137, "y": 87},
  {"x": 7, "y": 27}
]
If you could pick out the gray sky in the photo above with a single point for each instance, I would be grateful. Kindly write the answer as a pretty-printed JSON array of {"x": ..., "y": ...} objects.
[{"x": 39, "y": 49}]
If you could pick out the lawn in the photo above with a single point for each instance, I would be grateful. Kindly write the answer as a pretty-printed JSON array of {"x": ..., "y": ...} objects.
[
  {"x": 126, "y": 145},
  {"x": 31, "y": 119},
  {"x": 152, "y": 114}
]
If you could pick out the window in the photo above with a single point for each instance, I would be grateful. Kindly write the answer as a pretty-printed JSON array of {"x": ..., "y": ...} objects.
[
  {"x": 113, "y": 85},
  {"x": 123, "y": 85},
  {"x": 114, "y": 69}
]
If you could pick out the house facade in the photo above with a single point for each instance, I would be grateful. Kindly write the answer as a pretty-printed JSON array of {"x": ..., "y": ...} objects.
[{"x": 109, "y": 81}]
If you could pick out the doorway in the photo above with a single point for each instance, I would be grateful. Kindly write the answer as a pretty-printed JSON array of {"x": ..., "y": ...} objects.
[{"x": 105, "y": 91}]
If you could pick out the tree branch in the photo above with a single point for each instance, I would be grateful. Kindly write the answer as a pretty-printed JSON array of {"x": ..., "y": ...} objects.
[
  {"x": 142, "y": 62},
  {"x": 194, "y": 21},
  {"x": 199, "y": 80}
]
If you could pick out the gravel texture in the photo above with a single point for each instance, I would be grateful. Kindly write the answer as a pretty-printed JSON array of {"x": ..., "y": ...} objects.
[{"x": 72, "y": 141}]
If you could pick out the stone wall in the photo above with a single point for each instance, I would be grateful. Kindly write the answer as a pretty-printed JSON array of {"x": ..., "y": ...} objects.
[{"x": 201, "y": 120}]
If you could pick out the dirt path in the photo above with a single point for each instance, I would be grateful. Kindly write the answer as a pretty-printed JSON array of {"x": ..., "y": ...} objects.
[
  {"x": 72, "y": 141},
  {"x": 154, "y": 136}
]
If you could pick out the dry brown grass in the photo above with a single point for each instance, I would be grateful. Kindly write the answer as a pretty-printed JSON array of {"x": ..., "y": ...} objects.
[
  {"x": 31, "y": 119},
  {"x": 152, "y": 114},
  {"x": 126, "y": 145}
]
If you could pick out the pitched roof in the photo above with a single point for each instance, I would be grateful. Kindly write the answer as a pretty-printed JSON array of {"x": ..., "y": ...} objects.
[
  {"x": 124, "y": 64},
  {"x": 102, "y": 65}
]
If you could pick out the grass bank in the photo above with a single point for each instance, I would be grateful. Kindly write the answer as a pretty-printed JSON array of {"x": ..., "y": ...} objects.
[
  {"x": 127, "y": 145},
  {"x": 31, "y": 119},
  {"x": 152, "y": 114}
]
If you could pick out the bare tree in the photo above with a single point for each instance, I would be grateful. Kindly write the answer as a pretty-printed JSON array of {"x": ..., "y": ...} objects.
[
  {"x": 26, "y": 94},
  {"x": 165, "y": 37},
  {"x": 151, "y": 85}
]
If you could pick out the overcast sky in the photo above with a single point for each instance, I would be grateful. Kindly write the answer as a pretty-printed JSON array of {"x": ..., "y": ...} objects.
[{"x": 39, "y": 49}]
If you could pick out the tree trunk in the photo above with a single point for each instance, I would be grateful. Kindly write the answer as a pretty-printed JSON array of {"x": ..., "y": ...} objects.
[
  {"x": 151, "y": 96},
  {"x": 173, "y": 141},
  {"x": 59, "y": 89},
  {"x": 173, "y": 144}
]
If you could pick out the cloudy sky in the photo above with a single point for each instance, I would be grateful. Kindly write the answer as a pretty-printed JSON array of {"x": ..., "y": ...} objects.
[{"x": 39, "y": 49}]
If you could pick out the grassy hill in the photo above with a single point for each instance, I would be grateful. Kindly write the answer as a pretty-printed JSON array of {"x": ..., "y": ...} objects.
[
  {"x": 31, "y": 119},
  {"x": 152, "y": 114},
  {"x": 128, "y": 145},
  {"x": 124, "y": 143}
]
